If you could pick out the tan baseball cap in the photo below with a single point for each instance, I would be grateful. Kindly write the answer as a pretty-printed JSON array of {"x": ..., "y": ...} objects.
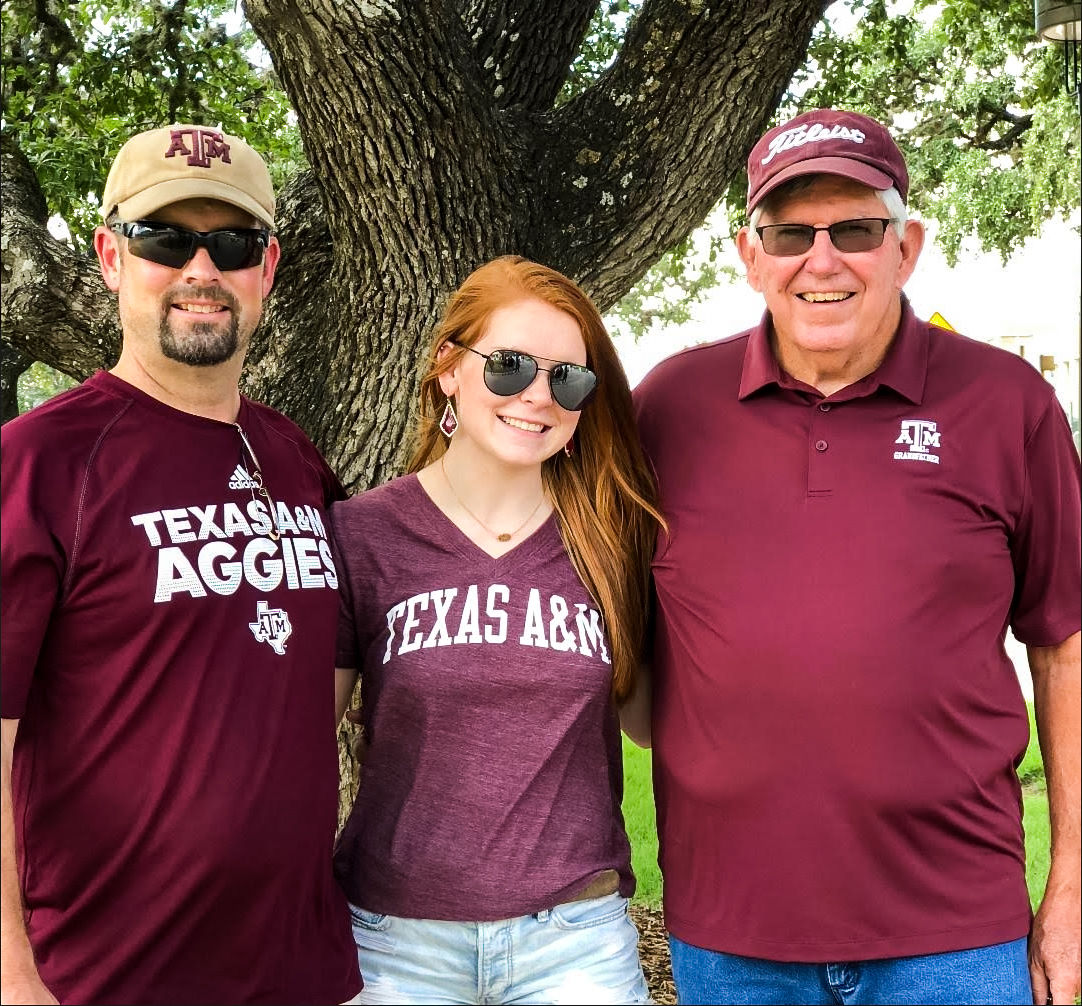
[{"x": 166, "y": 165}]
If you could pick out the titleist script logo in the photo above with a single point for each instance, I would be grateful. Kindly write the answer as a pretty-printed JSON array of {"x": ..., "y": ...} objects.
[
  {"x": 920, "y": 438},
  {"x": 202, "y": 145},
  {"x": 815, "y": 133}
]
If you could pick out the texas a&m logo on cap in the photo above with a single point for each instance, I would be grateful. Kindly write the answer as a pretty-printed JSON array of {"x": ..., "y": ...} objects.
[{"x": 202, "y": 145}]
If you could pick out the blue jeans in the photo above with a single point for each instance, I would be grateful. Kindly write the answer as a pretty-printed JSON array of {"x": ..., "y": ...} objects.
[
  {"x": 580, "y": 952},
  {"x": 996, "y": 974}
]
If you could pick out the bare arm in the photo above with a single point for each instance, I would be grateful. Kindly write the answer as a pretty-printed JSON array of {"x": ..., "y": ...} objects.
[
  {"x": 635, "y": 711},
  {"x": 21, "y": 981},
  {"x": 1054, "y": 940},
  {"x": 344, "y": 680}
]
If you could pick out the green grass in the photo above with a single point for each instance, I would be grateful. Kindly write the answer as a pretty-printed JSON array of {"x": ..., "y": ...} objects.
[
  {"x": 641, "y": 825},
  {"x": 1034, "y": 815},
  {"x": 641, "y": 828}
]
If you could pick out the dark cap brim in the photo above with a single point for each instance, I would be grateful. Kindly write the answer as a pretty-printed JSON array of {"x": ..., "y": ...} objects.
[{"x": 846, "y": 167}]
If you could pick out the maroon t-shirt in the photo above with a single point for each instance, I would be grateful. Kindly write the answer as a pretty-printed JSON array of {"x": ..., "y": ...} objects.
[
  {"x": 492, "y": 783},
  {"x": 171, "y": 666},
  {"x": 836, "y": 722}
]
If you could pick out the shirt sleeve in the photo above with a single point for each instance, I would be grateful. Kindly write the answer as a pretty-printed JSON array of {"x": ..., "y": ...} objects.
[
  {"x": 1047, "y": 546},
  {"x": 347, "y": 651},
  {"x": 32, "y": 568}
]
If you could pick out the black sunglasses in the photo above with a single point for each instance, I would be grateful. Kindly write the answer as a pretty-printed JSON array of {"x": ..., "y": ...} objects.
[
  {"x": 509, "y": 372},
  {"x": 861, "y": 235},
  {"x": 230, "y": 248}
]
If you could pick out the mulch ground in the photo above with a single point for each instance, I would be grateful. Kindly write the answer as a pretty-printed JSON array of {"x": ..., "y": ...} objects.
[{"x": 654, "y": 953}]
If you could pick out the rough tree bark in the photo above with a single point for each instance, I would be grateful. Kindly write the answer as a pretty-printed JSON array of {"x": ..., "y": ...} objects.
[
  {"x": 436, "y": 142},
  {"x": 12, "y": 365},
  {"x": 55, "y": 307}
]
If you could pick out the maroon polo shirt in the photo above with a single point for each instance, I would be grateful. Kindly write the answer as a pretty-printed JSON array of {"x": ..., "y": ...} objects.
[{"x": 836, "y": 722}]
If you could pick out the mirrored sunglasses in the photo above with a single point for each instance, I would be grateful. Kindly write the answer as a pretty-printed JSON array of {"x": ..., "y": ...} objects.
[
  {"x": 509, "y": 372},
  {"x": 863, "y": 235},
  {"x": 230, "y": 248}
]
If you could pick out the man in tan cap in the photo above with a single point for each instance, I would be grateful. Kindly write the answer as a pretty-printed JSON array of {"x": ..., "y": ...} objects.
[
  {"x": 169, "y": 608},
  {"x": 859, "y": 504}
]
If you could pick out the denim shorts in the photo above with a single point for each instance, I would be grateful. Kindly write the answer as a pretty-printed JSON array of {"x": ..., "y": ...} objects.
[
  {"x": 995, "y": 974},
  {"x": 579, "y": 952}
]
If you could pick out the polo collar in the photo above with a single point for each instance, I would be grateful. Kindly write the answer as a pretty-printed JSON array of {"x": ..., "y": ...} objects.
[{"x": 904, "y": 369}]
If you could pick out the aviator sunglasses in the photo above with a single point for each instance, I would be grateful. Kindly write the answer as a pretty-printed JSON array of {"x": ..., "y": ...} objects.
[
  {"x": 230, "y": 248},
  {"x": 509, "y": 372},
  {"x": 863, "y": 235}
]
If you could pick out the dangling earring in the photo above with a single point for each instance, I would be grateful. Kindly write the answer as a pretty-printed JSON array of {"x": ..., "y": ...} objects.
[
  {"x": 569, "y": 448},
  {"x": 449, "y": 421}
]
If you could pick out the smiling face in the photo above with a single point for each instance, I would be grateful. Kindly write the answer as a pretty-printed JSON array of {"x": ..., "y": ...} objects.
[
  {"x": 834, "y": 313},
  {"x": 196, "y": 315},
  {"x": 527, "y": 428}
]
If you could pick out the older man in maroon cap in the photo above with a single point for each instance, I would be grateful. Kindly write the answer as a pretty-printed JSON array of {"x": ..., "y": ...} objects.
[
  {"x": 170, "y": 774},
  {"x": 859, "y": 504}
]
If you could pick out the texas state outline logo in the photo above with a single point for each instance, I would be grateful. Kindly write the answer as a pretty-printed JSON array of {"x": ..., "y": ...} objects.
[{"x": 271, "y": 626}]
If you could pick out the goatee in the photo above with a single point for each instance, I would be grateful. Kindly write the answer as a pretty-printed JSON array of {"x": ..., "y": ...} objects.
[{"x": 202, "y": 344}]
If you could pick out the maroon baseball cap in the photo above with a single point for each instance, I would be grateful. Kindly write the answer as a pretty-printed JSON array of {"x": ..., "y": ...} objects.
[{"x": 830, "y": 142}]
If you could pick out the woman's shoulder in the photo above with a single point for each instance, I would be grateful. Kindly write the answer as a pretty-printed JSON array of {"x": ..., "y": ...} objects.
[{"x": 393, "y": 499}]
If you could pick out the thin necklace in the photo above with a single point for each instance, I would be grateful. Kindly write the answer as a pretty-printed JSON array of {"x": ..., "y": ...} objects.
[
  {"x": 255, "y": 483},
  {"x": 498, "y": 535}
]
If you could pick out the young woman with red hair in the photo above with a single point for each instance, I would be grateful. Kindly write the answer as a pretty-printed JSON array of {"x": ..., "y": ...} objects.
[{"x": 494, "y": 602}]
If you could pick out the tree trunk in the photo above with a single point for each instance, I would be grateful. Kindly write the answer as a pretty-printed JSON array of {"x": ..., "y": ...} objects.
[
  {"x": 438, "y": 146},
  {"x": 12, "y": 365}
]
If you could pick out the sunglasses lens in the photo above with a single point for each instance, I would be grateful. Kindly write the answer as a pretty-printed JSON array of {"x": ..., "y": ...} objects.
[
  {"x": 174, "y": 246},
  {"x": 165, "y": 245},
  {"x": 858, "y": 235},
  {"x": 846, "y": 235},
  {"x": 235, "y": 249},
  {"x": 786, "y": 239},
  {"x": 508, "y": 372},
  {"x": 572, "y": 385}
]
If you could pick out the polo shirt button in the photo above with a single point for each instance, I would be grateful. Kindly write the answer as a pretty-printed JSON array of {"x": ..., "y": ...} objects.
[
  {"x": 820, "y": 445},
  {"x": 824, "y": 407}
]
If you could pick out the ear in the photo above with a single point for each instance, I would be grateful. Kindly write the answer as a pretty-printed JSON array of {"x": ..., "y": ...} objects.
[
  {"x": 107, "y": 247},
  {"x": 449, "y": 378},
  {"x": 749, "y": 251},
  {"x": 270, "y": 264},
  {"x": 910, "y": 246}
]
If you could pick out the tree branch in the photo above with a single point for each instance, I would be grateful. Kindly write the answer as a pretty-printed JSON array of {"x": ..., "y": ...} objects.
[
  {"x": 638, "y": 160},
  {"x": 54, "y": 299},
  {"x": 523, "y": 51},
  {"x": 391, "y": 99},
  {"x": 997, "y": 116},
  {"x": 12, "y": 365},
  {"x": 56, "y": 35},
  {"x": 172, "y": 23}
]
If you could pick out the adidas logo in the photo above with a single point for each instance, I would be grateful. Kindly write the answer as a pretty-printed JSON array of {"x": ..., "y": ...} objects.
[{"x": 240, "y": 479}]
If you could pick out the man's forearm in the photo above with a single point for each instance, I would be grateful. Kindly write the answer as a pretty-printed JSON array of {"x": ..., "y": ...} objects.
[
  {"x": 1055, "y": 966},
  {"x": 636, "y": 709},
  {"x": 20, "y": 974},
  {"x": 1056, "y": 698}
]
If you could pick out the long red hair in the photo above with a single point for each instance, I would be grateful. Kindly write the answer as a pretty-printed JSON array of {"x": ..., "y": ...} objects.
[{"x": 604, "y": 495}]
